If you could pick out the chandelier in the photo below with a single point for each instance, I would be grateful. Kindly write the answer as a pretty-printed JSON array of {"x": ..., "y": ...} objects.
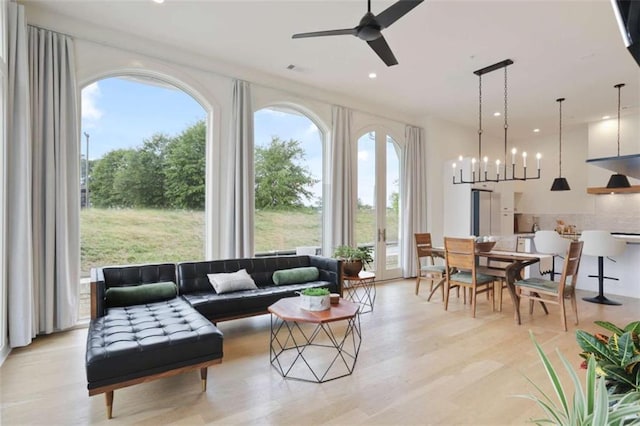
[{"x": 480, "y": 166}]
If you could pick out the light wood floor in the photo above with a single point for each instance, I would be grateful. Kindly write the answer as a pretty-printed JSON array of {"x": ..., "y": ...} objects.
[{"x": 418, "y": 365}]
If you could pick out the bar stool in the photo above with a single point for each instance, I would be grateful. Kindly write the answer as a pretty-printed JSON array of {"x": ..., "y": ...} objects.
[
  {"x": 550, "y": 242},
  {"x": 601, "y": 244}
]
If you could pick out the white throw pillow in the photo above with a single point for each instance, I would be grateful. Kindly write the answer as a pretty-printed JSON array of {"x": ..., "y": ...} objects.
[{"x": 234, "y": 281}]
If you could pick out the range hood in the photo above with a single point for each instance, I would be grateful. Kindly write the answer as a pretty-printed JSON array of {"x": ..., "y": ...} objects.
[{"x": 628, "y": 165}]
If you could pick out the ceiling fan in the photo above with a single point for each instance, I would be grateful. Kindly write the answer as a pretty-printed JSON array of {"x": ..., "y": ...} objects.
[{"x": 370, "y": 28}]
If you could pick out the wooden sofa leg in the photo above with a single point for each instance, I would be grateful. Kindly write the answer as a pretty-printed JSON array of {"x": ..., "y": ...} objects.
[
  {"x": 203, "y": 377},
  {"x": 109, "y": 398}
]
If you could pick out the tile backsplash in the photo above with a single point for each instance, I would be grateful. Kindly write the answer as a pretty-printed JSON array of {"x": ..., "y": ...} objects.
[{"x": 615, "y": 213}]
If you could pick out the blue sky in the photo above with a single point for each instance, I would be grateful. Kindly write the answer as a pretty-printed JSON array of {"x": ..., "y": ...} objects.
[{"x": 123, "y": 112}]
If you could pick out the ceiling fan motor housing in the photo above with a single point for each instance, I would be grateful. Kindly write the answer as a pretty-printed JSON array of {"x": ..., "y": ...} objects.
[{"x": 368, "y": 29}]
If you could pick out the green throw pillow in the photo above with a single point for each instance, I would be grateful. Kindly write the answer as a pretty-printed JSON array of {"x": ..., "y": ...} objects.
[
  {"x": 296, "y": 275},
  {"x": 140, "y": 294}
]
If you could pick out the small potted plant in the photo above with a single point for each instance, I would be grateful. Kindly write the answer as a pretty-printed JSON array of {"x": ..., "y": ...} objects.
[
  {"x": 353, "y": 258},
  {"x": 315, "y": 299}
]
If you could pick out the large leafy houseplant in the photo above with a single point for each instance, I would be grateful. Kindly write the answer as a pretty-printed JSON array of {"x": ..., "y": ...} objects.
[
  {"x": 617, "y": 356},
  {"x": 591, "y": 405}
]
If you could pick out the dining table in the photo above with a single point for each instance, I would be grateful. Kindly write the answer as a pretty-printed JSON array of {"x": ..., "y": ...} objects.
[{"x": 510, "y": 266}]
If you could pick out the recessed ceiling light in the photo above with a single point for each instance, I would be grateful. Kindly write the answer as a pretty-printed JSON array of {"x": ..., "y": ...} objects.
[
  {"x": 536, "y": 130},
  {"x": 606, "y": 117},
  {"x": 158, "y": 1},
  {"x": 496, "y": 114},
  {"x": 372, "y": 75}
]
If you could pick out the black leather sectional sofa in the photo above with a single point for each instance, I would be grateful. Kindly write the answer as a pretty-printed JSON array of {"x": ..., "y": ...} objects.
[
  {"x": 195, "y": 288},
  {"x": 139, "y": 334}
]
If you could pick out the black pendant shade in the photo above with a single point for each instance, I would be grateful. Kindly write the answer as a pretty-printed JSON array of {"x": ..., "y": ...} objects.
[
  {"x": 560, "y": 184},
  {"x": 617, "y": 181}
]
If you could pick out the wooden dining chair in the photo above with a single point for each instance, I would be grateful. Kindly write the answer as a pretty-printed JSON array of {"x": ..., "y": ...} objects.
[
  {"x": 545, "y": 291},
  {"x": 427, "y": 270},
  {"x": 460, "y": 257}
]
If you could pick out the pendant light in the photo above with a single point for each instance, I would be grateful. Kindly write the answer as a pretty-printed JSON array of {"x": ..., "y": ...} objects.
[
  {"x": 617, "y": 180},
  {"x": 560, "y": 183}
]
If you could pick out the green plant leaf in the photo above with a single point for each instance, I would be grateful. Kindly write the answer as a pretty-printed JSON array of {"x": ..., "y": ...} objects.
[
  {"x": 579, "y": 403},
  {"x": 601, "y": 407},
  {"x": 591, "y": 344},
  {"x": 633, "y": 327},
  {"x": 590, "y": 384},
  {"x": 553, "y": 376},
  {"x": 550, "y": 410},
  {"x": 619, "y": 374},
  {"x": 625, "y": 348},
  {"x": 609, "y": 326},
  {"x": 549, "y": 402}
]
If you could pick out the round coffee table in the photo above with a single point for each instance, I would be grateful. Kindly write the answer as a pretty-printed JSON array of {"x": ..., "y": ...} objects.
[{"x": 314, "y": 346}]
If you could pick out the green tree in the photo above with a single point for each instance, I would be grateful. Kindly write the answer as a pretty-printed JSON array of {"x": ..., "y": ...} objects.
[
  {"x": 103, "y": 176},
  {"x": 184, "y": 168},
  {"x": 144, "y": 179},
  {"x": 281, "y": 181},
  {"x": 394, "y": 199}
]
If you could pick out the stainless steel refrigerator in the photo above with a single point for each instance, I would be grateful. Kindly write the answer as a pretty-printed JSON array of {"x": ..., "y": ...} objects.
[{"x": 485, "y": 213}]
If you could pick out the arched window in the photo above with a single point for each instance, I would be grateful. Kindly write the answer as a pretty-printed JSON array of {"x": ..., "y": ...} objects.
[
  {"x": 143, "y": 186},
  {"x": 288, "y": 172}
]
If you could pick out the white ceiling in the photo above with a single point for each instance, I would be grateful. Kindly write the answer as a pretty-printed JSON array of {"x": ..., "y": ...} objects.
[{"x": 570, "y": 49}]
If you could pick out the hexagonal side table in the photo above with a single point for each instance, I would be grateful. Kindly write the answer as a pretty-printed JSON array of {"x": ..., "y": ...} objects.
[
  {"x": 314, "y": 346},
  {"x": 362, "y": 290}
]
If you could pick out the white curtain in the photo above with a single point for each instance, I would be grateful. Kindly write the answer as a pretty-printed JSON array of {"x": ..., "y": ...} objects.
[
  {"x": 44, "y": 186},
  {"x": 239, "y": 207},
  {"x": 19, "y": 261},
  {"x": 343, "y": 191},
  {"x": 414, "y": 196},
  {"x": 56, "y": 180}
]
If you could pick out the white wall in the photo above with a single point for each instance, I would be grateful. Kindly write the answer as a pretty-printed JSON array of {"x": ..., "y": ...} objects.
[
  {"x": 536, "y": 195},
  {"x": 445, "y": 142}
]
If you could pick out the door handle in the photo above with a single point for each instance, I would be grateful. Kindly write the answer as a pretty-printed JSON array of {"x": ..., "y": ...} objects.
[{"x": 379, "y": 234}]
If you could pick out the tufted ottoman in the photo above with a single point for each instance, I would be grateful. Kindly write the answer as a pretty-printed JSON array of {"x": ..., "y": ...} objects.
[{"x": 139, "y": 343}]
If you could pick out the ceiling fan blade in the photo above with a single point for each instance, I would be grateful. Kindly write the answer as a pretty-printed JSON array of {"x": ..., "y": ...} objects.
[
  {"x": 383, "y": 50},
  {"x": 395, "y": 12},
  {"x": 346, "y": 31}
]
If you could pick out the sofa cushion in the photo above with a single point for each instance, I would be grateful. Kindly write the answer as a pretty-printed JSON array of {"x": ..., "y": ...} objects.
[
  {"x": 234, "y": 281},
  {"x": 140, "y": 294},
  {"x": 295, "y": 275},
  {"x": 138, "y": 341}
]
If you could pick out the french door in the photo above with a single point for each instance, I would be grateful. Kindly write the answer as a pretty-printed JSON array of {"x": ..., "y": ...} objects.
[{"x": 378, "y": 213}]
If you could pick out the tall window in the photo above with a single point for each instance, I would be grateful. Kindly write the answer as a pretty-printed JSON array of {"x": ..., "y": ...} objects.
[
  {"x": 142, "y": 175},
  {"x": 288, "y": 171}
]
